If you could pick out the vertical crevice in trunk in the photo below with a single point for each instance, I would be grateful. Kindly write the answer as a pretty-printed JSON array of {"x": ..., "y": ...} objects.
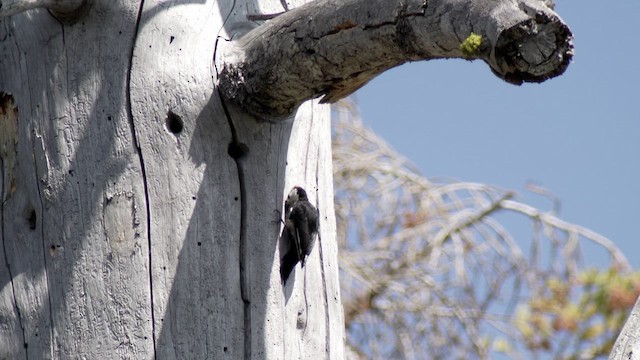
[
  {"x": 39, "y": 221},
  {"x": 237, "y": 150},
  {"x": 145, "y": 178}
]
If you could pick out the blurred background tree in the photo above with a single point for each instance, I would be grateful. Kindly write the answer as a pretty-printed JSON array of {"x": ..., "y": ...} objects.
[{"x": 431, "y": 268}]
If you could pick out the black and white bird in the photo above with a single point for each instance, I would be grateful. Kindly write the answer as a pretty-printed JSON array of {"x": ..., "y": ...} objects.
[{"x": 301, "y": 224}]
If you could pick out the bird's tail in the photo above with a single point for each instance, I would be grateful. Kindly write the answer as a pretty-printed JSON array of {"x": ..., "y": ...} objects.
[{"x": 287, "y": 264}]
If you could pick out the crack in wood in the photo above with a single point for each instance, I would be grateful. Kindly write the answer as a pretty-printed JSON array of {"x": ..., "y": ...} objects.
[
  {"x": 237, "y": 150},
  {"x": 145, "y": 178},
  {"x": 42, "y": 234},
  {"x": 345, "y": 25},
  {"x": 325, "y": 295}
]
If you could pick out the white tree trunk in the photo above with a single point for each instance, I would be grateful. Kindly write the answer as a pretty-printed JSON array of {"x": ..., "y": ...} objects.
[
  {"x": 627, "y": 346},
  {"x": 139, "y": 211}
]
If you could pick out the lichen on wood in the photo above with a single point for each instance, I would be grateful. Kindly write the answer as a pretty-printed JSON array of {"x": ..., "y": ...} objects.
[{"x": 471, "y": 45}]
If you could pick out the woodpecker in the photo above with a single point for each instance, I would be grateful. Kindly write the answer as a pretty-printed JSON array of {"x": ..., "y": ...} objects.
[{"x": 301, "y": 224}]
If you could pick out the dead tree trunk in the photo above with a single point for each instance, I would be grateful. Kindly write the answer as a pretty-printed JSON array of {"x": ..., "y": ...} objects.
[
  {"x": 141, "y": 187},
  {"x": 627, "y": 346},
  {"x": 139, "y": 214}
]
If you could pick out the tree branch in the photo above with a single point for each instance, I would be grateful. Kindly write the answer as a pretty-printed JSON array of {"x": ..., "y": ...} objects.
[
  {"x": 331, "y": 48},
  {"x": 12, "y": 7}
]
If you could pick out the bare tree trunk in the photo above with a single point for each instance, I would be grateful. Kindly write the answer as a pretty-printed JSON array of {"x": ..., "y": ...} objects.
[
  {"x": 627, "y": 346},
  {"x": 139, "y": 215}
]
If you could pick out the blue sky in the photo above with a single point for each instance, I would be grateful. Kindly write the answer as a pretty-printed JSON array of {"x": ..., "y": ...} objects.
[{"x": 577, "y": 135}]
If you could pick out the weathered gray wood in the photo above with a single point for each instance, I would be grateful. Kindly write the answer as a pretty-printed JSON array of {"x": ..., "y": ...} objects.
[
  {"x": 139, "y": 213},
  {"x": 231, "y": 230},
  {"x": 10, "y": 329},
  {"x": 330, "y": 48},
  {"x": 73, "y": 227},
  {"x": 627, "y": 346},
  {"x": 65, "y": 7}
]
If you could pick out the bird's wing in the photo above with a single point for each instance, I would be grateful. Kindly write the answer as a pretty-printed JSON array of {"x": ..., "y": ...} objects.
[
  {"x": 304, "y": 216},
  {"x": 298, "y": 245},
  {"x": 300, "y": 218}
]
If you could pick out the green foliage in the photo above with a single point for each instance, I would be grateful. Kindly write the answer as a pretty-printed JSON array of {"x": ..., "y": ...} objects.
[
  {"x": 587, "y": 314},
  {"x": 471, "y": 45}
]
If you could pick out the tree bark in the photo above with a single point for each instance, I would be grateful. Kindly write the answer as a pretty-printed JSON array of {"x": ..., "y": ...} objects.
[
  {"x": 627, "y": 346},
  {"x": 331, "y": 48},
  {"x": 59, "y": 7},
  {"x": 139, "y": 214}
]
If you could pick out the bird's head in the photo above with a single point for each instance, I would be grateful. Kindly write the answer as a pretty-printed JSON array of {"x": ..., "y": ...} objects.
[{"x": 296, "y": 194}]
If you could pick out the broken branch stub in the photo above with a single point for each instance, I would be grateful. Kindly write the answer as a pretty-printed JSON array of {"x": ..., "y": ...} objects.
[{"x": 331, "y": 48}]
